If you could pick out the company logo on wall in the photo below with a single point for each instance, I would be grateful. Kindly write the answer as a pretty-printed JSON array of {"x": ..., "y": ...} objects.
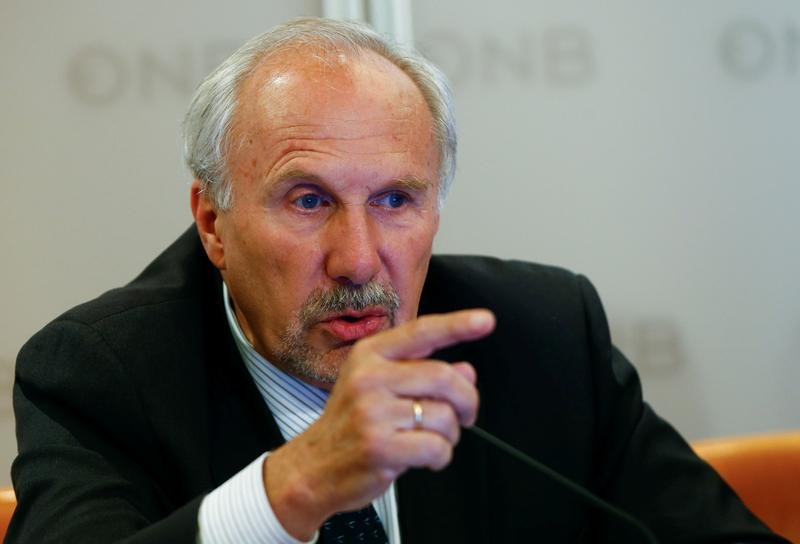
[
  {"x": 104, "y": 74},
  {"x": 750, "y": 50},
  {"x": 561, "y": 56},
  {"x": 655, "y": 343},
  {"x": 558, "y": 57}
]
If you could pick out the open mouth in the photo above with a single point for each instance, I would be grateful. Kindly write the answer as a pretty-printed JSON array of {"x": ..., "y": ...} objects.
[
  {"x": 353, "y": 325},
  {"x": 350, "y": 318}
]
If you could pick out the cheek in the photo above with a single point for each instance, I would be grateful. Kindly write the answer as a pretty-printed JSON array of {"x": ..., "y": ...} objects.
[
  {"x": 276, "y": 265},
  {"x": 292, "y": 269},
  {"x": 408, "y": 265}
]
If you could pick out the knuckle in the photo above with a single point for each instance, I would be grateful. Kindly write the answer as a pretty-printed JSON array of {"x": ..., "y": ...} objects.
[
  {"x": 374, "y": 452},
  {"x": 453, "y": 427},
  {"x": 452, "y": 422},
  {"x": 442, "y": 454},
  {"x": 443, "y": 376},
  {"x": 470, "y": 407},
  {"x": 385, "y": 476},
  {"x": 453, "y": 433}
]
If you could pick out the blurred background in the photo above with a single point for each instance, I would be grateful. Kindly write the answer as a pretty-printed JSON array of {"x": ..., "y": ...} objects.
[{"x": 651, "y": 146}]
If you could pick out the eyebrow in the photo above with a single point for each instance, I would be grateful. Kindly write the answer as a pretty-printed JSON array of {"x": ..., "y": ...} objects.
[
  {"x": 410, "y": 183},
  {"x": 293, "y": 175},
  {"x": 413, "y": 183}
]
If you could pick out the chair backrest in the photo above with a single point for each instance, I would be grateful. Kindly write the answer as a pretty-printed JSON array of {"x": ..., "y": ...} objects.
[
  {"x": 8, "y": 501},
  {"x": 764, "y": 470}
]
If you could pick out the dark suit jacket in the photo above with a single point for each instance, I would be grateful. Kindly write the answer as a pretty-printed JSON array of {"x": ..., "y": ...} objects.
[{"x": 133, "y": 406}]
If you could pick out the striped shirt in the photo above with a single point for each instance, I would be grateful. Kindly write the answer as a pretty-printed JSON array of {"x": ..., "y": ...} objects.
[{"x": 238, "y": 511}]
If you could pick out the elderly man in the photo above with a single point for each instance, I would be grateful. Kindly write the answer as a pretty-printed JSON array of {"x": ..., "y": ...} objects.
[{"x": 268, "y": 379}]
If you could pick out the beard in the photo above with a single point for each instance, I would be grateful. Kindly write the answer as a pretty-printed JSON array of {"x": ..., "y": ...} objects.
[{"x": 294, "y": 352}]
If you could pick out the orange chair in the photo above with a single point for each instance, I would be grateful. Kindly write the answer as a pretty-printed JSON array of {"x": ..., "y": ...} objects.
[
  {"x": 764, "y": 470},
  {"x": 8, "y": 501}
]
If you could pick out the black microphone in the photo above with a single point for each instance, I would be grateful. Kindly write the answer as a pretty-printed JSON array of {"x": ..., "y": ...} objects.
[{"x": 579, "y": 490}]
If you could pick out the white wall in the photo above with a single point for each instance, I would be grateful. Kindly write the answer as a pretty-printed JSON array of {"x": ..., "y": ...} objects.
[
  {"x": 649, "y": 146},
  {"x": 93, "y": 183},
  {"x": 653, "y": 146}
]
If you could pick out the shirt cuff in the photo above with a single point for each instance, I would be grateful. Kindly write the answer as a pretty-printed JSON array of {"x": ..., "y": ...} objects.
[{"x": 238, "y": 512}]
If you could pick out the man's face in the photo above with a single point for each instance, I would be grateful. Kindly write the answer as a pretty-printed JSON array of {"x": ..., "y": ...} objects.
[{"x": 334, "y": 170}]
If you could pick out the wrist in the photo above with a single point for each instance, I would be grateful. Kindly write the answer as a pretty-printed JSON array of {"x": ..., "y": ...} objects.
[{"x": 291, "y": 496}]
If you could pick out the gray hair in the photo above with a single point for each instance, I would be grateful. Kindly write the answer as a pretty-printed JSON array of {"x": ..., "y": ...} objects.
[{"x": 206, "y": 127}]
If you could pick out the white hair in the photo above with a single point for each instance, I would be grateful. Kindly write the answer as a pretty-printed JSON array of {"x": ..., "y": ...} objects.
[{"x": 206, "y": 127}]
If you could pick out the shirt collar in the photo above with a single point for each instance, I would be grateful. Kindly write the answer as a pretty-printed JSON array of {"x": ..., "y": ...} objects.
[{"x": 294, "y": 404}]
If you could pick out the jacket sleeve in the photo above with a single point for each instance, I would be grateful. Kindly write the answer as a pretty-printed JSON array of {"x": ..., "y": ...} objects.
[
  {"x": 645, "y": 467},
  {"x": 86, "y": 470}
]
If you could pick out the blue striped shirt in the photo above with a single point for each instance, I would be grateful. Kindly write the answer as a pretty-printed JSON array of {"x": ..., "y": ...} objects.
[{"x": 238, "y": 511}]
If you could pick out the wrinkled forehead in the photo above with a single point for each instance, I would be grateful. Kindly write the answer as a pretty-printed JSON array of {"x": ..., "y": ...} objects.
[
  {"x": 287, "y": 81},
  {"x": 352, "y": 96},
  {"x": 335, "y": 106}
]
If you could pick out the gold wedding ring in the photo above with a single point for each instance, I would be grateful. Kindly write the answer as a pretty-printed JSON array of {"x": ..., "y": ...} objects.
[{"x": 416, "y": 407}]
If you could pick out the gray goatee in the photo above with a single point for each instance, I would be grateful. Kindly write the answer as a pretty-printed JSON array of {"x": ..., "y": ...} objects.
[{"x": 295, "y": 355}]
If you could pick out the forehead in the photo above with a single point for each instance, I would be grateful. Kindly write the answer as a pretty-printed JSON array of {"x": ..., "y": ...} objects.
[
  {"x": 308, "y": 87},
  {"x": 311, "y": 108}
]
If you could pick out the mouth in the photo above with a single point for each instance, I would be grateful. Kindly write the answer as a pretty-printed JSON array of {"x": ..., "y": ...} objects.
[{"x": 353, "y": 325}]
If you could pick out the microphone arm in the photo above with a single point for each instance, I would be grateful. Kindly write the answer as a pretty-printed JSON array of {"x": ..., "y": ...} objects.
[{"x": 579, "y": 490}]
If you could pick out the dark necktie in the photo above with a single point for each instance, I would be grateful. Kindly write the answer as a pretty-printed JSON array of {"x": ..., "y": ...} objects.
[{"x": 361, "y": 526}]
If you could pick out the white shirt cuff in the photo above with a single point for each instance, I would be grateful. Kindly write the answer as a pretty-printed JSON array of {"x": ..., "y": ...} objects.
[{"x": 238, "y": 512}]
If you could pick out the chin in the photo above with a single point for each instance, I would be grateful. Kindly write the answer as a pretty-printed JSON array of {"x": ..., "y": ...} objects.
[
  {"x": 330, "y": 364},
  {"x": 320, "y": 369}
]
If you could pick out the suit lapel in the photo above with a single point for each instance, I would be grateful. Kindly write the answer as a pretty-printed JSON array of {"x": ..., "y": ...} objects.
[{"x": 240, "y": 425}]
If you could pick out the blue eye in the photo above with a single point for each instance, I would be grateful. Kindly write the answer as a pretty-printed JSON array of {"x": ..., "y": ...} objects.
[
  {"x": 309, "y": 201},
  {"x": 393, "y": 200}
]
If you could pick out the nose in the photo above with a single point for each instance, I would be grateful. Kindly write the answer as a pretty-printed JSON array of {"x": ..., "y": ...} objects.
[{"x": 352, "y": 256}]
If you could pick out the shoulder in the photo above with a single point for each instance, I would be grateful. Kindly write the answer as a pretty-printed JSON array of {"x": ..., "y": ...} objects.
[
  {"x": 154, "y": 313},
  {"x": 546, "y": 312},
  {"x": 462, "y": 281},
  {"x": 165, "y": 295},
  {"x": 550, "y": 343},
  {"x": 176, "y": 275}
]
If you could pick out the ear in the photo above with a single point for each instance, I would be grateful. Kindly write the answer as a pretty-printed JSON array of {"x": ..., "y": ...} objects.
[{"x": 208, "y": 220}]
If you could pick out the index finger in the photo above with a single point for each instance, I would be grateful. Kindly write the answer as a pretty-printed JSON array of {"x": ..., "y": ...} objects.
[{"x": 422, "y": 336}]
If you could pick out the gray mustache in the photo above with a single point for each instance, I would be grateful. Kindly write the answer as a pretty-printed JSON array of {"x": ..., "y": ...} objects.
[{"x": 341, "y": 298}]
